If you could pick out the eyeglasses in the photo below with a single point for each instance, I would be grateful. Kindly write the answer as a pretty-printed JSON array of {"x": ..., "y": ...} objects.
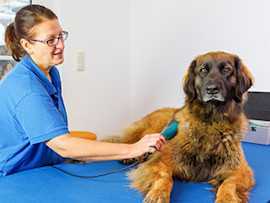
[{"x": 53, "y": 41}]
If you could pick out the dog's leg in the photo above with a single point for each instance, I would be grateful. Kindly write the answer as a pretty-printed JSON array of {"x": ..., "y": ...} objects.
[
  {"x": 236, "y": 186},
  {"x": 153, "y": 178},
  {"x": 160, "y": 190}
]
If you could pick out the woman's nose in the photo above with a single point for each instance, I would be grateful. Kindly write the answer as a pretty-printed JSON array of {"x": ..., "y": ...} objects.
[{"x": 60, "y": 44}]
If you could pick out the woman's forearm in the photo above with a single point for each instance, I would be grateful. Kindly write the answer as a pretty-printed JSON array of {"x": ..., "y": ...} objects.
[{"x": 89, "y": 150}]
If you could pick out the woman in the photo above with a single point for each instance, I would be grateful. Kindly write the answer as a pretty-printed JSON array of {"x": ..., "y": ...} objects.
[{"x": 33, "y": 120}]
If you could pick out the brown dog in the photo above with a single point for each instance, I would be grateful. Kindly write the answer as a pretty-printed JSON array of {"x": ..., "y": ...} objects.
[{"x": 207, "y": 146}]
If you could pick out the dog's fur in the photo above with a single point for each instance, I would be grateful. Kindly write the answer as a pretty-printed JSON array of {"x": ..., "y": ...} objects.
[{"x": 207, "y": 146}]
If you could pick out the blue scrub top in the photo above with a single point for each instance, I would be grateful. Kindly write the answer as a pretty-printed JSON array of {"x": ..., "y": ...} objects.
[{"x": 31, "y": 112}]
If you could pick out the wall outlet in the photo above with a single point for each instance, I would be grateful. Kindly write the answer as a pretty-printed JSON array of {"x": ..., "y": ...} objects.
[{"x": 80, "y": 61}]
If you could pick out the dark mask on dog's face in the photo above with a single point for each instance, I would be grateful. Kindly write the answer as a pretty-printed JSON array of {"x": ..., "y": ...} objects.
[{"x": 217, "y": 77}]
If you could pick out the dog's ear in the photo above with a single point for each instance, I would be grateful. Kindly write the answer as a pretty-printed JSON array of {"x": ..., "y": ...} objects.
[
  {"x": 244, "y": 79},
  {"x": 189, "y": 82}
]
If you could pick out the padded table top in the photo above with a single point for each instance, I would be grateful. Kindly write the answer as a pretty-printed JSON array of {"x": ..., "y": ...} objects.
[{"x": 47, "y": 184}]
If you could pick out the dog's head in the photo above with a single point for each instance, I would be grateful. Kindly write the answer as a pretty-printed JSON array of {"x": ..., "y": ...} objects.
[{"x": 217, "y": 77}]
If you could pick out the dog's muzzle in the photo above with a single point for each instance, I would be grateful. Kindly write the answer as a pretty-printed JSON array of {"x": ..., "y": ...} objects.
[{"x": 213, "y": 92}]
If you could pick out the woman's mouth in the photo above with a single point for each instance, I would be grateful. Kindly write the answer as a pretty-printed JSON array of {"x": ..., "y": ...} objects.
[{"x": 59, "y": 54}]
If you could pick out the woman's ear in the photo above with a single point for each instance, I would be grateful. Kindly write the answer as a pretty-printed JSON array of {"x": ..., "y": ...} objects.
[{"x": 27, "y": 46}]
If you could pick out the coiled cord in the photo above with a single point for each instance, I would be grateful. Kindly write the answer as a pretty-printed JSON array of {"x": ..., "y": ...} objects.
[{"x": 79, "y": 176}]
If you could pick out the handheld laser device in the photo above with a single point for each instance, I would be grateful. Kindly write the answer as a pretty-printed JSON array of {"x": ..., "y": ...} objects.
[{"x": 170, "y": 130}]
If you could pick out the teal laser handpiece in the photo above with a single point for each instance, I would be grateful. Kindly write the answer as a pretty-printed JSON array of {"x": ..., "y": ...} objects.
[{"x": 169, "y": 131}]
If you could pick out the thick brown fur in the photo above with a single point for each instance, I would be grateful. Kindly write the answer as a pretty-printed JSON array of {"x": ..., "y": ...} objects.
[{"x": 207, "y": 146}]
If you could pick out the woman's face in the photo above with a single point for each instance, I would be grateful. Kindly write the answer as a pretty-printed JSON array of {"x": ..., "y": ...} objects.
[{"x": 44, "y": 56}]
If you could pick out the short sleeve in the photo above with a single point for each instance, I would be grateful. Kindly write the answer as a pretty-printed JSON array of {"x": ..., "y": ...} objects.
[{"x": 39, "y": 118}]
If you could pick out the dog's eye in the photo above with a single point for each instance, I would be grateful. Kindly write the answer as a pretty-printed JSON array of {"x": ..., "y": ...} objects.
[
  {"x": 204, "y": 70},
  {"x": 226, "y": 69}
]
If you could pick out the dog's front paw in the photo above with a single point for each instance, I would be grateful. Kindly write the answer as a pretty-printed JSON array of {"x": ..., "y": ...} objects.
[{"x": 157, "y": 198}]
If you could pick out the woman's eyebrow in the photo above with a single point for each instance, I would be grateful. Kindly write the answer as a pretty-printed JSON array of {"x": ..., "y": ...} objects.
[{"x": 49, "y": 36}]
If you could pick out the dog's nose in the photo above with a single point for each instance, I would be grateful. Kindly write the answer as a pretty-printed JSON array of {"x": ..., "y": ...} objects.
[{"x": 212, "y": 89}]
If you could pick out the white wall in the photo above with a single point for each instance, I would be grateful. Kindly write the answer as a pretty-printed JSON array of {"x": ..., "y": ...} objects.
[
  {"x": 97, "y": 99},
  {"x": 168, "y": 34},
  {"x": 137, "y": 52}
]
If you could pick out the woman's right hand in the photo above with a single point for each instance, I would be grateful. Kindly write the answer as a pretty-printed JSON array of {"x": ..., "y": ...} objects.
[{"x": 149, "y": 143}]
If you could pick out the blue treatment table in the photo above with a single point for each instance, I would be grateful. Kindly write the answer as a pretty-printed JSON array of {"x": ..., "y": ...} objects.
[{"x": 47, "y": 184}]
